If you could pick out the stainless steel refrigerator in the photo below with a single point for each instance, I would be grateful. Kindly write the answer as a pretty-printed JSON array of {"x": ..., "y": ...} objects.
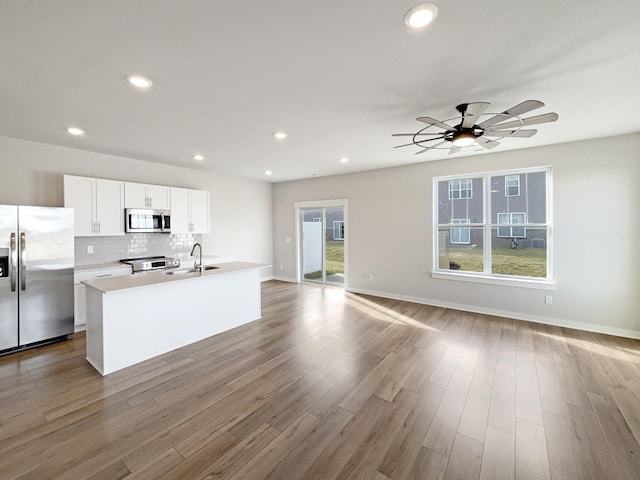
[{"x": 36, "y": 275}]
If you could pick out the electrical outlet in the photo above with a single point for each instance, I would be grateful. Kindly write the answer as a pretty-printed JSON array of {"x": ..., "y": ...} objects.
[
  {"x": 281, "y": 267},
  {"x": 548, "y": 299},
  {"x": 371, "y": 277},
  {"x": 89, "y": 248}
]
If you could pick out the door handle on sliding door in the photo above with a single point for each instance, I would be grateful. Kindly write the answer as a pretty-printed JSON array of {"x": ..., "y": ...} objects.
[
  {"x": 13, "y": 260},
  {"x": 23, "y": 261}
]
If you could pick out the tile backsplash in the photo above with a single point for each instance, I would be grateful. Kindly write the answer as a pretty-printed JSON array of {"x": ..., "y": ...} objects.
[{"x": 112, "y": 249}]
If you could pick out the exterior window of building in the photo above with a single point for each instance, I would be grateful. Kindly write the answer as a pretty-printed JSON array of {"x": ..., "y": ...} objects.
[
  {"x": 512, "y": 219},
  {"x": 512, "y": 186},
  {"x": 338, "y": 230},
  {"x": 507, "y": 226},
  {"x": 460, "y": 235},
  {"x": 460, "y": 189}
]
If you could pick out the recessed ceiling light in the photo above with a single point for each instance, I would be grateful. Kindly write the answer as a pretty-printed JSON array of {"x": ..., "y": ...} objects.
[
  {"x": 268, "y": 172},
  {"x": 344, "y": 159},
  {"x": 421, "y": 15},
  {"x": 75, "y": 131},
  {"x": 280, "y": 135},
  {"x": 198, "y": 157},
  {"x": 139, "y": 81}
]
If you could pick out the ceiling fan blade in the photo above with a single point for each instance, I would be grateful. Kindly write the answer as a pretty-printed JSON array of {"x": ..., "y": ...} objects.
[
  {"x": 437, "y": 123},
  {"x": 472, "y": 113},
  {"x": 546, "y": 118},
  {"x": 413, "y": 134},
  {"x": 454, "y": 149},
  {"x": 514, "y": 111},
  {"x": 441, "y": 136},
  {"x": 512, "y": 133},
  {"x": 429, "y": 148},
  {"x": 486, "y": 143}
]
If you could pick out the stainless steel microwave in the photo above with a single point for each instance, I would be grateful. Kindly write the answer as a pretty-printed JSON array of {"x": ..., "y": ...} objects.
[{"x": 144, "y": 221}]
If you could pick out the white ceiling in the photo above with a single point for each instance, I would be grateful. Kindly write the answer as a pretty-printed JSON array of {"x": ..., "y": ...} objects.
[{"x": 339, "y": 76}]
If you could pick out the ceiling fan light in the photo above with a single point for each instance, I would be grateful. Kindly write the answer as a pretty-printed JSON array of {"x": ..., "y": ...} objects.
[
  {"x": 464, "y": 139},
  {"x": 421, "y": 15}
]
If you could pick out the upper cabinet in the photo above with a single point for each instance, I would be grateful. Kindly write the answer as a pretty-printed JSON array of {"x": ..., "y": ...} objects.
[
  {"x": 140, "y": 195},
  {"x": 189, "y": 211},
  {"x": 98, "y": 205}
]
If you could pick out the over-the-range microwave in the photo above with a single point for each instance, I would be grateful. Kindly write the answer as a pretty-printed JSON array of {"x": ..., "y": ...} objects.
[{"x": 144, "y": 220}]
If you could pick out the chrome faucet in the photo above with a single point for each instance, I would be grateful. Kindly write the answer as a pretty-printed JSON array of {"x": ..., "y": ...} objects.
[{"x": 197, "y": 265}]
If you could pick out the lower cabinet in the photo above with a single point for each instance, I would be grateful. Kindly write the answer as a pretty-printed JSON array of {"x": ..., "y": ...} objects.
[{"x": 79, "y": 289}]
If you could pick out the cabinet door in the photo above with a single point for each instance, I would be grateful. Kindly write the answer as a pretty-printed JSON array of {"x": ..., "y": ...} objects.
[
  {"x": 79, "y": 195},
  {"x": 199, "y": 211},
  {"x": 180, "y": 210},
  {"x": 80, "y": 304},
  {"x": 159, "y": 196},
  {"x": 135, "y": 195},
  {"x": 110, "y": 207}
]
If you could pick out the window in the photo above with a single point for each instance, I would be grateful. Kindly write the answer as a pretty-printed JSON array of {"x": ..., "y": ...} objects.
[
  {"x": 460, "y": 234},
  {"x": 512, "y": 219},
  {"x": 460, "y": 189},
  {"x": 512, "y": 186},
  {"x": 338, "y": 229},
  {"x": 506, "y": 233}
]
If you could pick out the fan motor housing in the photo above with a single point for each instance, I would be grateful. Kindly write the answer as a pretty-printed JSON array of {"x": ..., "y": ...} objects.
[{"x": 476, "y": 131}]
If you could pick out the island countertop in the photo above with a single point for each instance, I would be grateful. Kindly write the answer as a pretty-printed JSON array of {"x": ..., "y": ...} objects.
[{"x": 137, "y": 280}]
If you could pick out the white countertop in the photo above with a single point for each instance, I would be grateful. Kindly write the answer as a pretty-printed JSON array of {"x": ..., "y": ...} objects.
[
  {"x": 137, "y": 280},
  {"x": 101, "y": 266}
]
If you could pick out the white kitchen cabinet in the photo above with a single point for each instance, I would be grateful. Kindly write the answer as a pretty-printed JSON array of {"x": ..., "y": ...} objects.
[
  {"x": 140, "y": 195},
  {"x": 98, "y": 205},
  {"x": 190, "y": 211},
  {"x": 79, "y": 289}
]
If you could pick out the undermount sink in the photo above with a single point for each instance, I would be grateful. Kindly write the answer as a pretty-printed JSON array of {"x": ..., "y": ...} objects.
[{"x": 190, "y": 270}]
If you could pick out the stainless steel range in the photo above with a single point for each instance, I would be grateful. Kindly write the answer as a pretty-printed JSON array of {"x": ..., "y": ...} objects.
[{"x": 144, "y": 264}]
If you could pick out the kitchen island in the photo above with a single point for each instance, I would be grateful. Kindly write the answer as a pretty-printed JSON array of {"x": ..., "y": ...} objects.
[{"x": 137, "y": 317}]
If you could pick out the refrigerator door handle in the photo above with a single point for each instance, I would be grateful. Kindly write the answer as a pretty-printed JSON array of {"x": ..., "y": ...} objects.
[
  {"x": 13, "y": 259},
  {"x": 23, "y": 261}
]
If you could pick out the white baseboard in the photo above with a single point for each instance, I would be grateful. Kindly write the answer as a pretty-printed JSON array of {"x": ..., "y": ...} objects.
[
  {"x": 285, "y": 279},
  {"x": 618, "y": 332}
]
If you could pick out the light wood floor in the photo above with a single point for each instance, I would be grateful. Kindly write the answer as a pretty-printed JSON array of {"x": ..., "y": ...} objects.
[{"x": 333, "y": 385}]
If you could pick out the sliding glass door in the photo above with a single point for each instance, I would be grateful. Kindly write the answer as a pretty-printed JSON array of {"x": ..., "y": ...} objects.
[{"x": 322, "y": 244}]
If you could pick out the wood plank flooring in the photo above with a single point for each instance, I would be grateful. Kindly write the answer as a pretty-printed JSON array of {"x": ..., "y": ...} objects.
[{"x": 332, "y": 385}]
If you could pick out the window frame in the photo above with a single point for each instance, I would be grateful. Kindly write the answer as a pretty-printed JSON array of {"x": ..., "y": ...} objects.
[{"x": 486, "y": 276}]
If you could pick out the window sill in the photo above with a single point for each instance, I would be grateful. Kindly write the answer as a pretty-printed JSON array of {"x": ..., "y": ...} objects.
[{"x": 507, "y": 282}]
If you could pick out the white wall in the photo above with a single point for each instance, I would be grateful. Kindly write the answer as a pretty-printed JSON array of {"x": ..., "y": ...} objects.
[
  {"x": 596, "y": 234},
  {"x": 241, "y": 222}
]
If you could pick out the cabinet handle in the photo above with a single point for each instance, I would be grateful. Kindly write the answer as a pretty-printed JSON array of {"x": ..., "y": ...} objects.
[{"x": 98, "y": 227}]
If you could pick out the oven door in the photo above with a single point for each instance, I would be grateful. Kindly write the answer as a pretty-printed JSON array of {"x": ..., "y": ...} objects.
[{"x": 141, "y": 220}]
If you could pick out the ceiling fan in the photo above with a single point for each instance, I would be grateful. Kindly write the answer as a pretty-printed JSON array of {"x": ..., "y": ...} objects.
[{"x": 469, "y": 130}]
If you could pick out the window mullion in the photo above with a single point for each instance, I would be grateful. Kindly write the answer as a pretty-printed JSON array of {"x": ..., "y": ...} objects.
[{"x": 487, "y": 221}]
